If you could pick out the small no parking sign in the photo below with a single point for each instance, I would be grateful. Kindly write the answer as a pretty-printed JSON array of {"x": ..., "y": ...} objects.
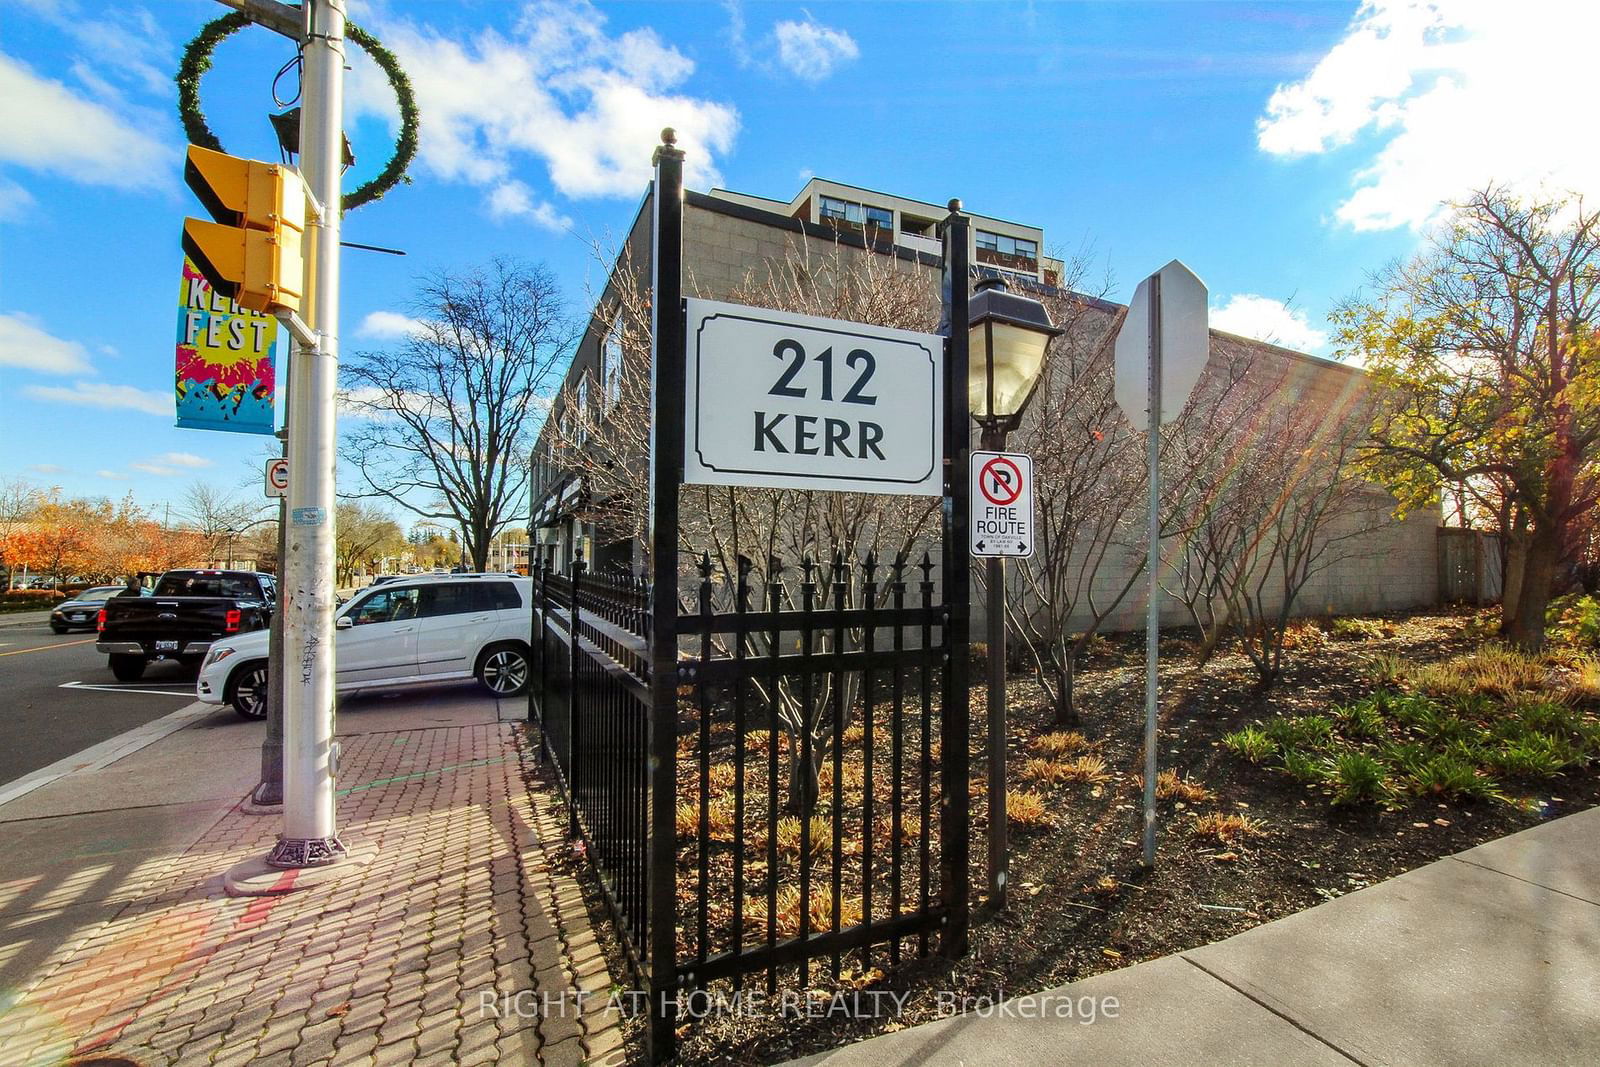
[{"x": 1002, "y": 504}]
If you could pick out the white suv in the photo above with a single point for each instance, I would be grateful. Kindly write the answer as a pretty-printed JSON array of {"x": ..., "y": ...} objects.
[{"x": 419, "y": 630}]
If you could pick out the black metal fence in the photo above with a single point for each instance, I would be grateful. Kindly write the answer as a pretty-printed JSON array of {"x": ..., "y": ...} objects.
[
  {"x": 592, "y": 703},
  {"x": 810, "y": 793}
]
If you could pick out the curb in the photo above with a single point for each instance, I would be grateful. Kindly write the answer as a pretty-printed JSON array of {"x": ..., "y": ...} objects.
[{"x": 107, "y": 752}]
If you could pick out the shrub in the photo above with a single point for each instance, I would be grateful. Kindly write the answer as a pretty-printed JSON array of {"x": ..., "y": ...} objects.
[
  {"x": 1447, "y": 775},
  {"x": 1059, "y": 743},
  {"x": 1303, "y": 636},
  {"x": 1406, "y": 757},
  {"x": 1358, "y": 629},
  {"x": 1303, "y": 731},
  {"x": 1357, "y": 777},
  {"x": 1534, "y": 755},
  {"x": 853, "y": 778},
  {"x": 1303, "y": 767},
  {"x": 1361, "y": 720},
  {"x": 1026, "y": 809},
  {"x": 1228, "y": 829},
  {"x": 1575, "y": 620},
  {"x": 854, "y": 734},
  {"x": 1386, "y": 669},
  {"x": 1546, "y": 716},
  {"x": 1251, "y": 742}
]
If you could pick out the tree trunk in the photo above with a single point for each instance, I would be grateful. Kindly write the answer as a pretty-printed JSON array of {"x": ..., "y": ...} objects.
[
  {"x": 1066, "y": 695},
  {"x": 803, "y": 787},
  {"x": 1511, "y": 583},
  {"x": 1525, "y": 629}
]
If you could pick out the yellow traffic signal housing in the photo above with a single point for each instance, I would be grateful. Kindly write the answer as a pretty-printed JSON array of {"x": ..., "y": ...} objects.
[{"x": 252, "y": 254}]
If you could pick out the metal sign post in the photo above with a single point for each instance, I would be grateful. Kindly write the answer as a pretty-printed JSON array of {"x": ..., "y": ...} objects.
[
  {"x": 1002, "y": 504},
  {"x": 1160, "y": 354}
]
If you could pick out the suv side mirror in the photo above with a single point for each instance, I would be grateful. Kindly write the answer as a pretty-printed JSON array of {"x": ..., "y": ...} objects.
[{"x": 343, "y": 622}]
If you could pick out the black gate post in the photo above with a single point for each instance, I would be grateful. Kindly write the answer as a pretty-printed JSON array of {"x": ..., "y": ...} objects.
[
  {"x": 667, "y": 379},
  {"x": 955, "y": 717}
]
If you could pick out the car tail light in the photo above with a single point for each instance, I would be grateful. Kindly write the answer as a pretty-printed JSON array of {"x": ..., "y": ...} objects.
[
  {"x": 100, "y": 621},
  {"x": 232, "y": 625}
]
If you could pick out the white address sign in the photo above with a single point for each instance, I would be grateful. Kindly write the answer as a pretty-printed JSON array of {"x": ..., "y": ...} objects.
[{"x": 796, "y": 401}]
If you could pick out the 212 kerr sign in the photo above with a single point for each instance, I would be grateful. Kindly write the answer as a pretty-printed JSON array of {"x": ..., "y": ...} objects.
[{"x": 795, "y": 401}]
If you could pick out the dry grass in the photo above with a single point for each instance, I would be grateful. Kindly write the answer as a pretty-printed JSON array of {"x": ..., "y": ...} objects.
[
  {"x": 1304, "y": 636},
  {"x": 1171, "y": 787},
  {"x": 1228, "y": 829},
  {"x": 788, "y": 911},
  {"x": 1059, "y": 743},
  {"x": 1089, "y": 770},
  {"x": 1583, "y": 685},
  {"x": 761, "y": 740},
  {"x": 719, "y": 819},
  {"x": 1026, "y": 809},
  {"x": 1493, "y": 670},
  {"x": 1105, "y": 886},
  {"x": 723, "y": 775},
  {"x": 854, "y": 776},
  {"x": 854, "y": 734},
  {"x": 910, "y": 829},
  {"x": 789, "y": 834}
]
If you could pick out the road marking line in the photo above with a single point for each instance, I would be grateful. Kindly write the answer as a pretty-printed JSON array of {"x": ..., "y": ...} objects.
[
  {"x": 125, "y": 689},
  {"x": 108, "y": 751},
  {"x": 47, "y": 648}
]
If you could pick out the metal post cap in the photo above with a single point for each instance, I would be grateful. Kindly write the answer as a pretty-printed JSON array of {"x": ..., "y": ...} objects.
[
  {"x": 669, "y": 136},
  {"x": 955, "y": 203}
]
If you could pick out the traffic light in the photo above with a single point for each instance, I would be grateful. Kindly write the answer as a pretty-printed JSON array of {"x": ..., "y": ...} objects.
[{"x": 252, "y": 253}]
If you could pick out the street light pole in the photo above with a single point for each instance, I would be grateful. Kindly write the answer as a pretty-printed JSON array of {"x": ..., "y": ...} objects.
[
  {"x": 309, "y": 837},
  {"x": 993, "y": 439}
]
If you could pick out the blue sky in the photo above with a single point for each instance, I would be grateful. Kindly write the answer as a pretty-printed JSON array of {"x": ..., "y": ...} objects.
[{"x": 1282, "y": 150}]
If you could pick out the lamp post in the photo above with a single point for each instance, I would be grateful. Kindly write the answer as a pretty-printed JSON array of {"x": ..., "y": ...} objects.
[{"x": 1008, "y": 337}]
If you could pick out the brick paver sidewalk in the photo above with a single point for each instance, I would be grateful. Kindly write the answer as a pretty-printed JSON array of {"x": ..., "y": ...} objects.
[{"x": 418, "y": 957}]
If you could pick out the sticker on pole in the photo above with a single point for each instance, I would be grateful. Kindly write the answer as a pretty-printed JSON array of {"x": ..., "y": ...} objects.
[{"x": 1002, "y": 504}]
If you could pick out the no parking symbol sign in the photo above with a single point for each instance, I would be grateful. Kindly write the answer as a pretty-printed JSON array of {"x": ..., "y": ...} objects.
[{"x": 1002, "y": 504}]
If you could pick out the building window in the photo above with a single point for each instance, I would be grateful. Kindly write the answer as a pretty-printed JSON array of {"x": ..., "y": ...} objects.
[
  {"x": 849, "y": 215},
  {"x": 611, "y": 362},
  {"x": 1013, "y": 253}
]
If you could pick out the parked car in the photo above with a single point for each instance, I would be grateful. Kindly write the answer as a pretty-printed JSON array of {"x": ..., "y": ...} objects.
[
  {"x": 419, "y": 630},
  {"x": 82, "y": 612},
  {"x": 186, "y": 612}
]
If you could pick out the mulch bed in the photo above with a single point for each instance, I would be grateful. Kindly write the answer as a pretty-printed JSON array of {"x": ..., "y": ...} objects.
[{"x": 1080, "y": 901}]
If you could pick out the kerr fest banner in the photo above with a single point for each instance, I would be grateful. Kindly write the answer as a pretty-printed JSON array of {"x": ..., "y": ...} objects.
[{"x": 225, "y": 371}]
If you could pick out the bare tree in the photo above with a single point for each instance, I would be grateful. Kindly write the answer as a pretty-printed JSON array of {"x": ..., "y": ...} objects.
[
  {"x": 448, "y": 416},
  {"x": 784, "y": 538},
  {"x": 217, "y": 515}
]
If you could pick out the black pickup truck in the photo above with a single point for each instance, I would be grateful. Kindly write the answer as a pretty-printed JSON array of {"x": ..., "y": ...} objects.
[{"x": 188, "y": 610}]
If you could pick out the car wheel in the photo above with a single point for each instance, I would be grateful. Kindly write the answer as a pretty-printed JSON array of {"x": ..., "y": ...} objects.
[
  {"x": 504, "y": 670},
  {"x": 127, "y": 668},
  {"x": 247, "y": 691},
  {"x": 57, "y": 629}
]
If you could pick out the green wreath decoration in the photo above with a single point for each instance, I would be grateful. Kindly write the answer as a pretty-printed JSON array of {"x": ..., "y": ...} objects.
[{"x": 197, "y": 60}]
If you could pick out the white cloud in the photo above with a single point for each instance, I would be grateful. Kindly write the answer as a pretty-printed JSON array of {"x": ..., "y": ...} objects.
[
  {"x": 45, "y": 126},
  {"x": 1440, "y": 99},
  {"x": 1266, "y": 319},
  {"x": 116, "y": 476},
  {"x": 153, "y": 468},
  {"x": 562, "y": 90},
  {"x": 47, "y": 468},
  {"x": 388, "y": 326},
  {"x": 513, "y": 200},
  {"x": 23, "y": 344},
  {"x": 183, "y": 459},
  {"x": 102, "y": 395},
  {"x": 811, "y": 51},
  {"x": 14, "y": 201}
]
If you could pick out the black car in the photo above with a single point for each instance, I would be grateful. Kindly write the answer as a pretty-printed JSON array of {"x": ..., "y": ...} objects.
[
  {"x": 82, "y": 611},
  {"x": 188, "y": 610}
]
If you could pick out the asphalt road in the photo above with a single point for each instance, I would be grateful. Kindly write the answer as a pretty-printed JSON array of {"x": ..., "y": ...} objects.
[{"x": 46, "y": 711}]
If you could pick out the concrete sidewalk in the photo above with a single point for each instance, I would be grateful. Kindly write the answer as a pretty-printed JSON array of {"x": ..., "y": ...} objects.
[
  {"x": 40, "y": 619},
  {"x": 1488, "y": 957},
  {"x": 117, "y": 938}
]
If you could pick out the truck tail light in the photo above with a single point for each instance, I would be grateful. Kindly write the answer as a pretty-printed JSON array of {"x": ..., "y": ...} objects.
[
  {"x": 100, "y": 621},
  {"x": 232, "y": 624}
]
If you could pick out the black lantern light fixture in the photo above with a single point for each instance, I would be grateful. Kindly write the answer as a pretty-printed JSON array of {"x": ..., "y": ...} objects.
[{"x": 1008, "y": 336}]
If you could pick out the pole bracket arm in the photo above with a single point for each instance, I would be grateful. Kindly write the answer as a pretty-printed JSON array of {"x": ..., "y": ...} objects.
[
  {"x": 308, "y": 338},
  {"x": 279, "y": 18}
]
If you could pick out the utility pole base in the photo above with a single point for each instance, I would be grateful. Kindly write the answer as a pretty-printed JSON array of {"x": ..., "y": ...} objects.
[
  {"x": 256, "y": 877},
  {"x": 293, "y": 852}
]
